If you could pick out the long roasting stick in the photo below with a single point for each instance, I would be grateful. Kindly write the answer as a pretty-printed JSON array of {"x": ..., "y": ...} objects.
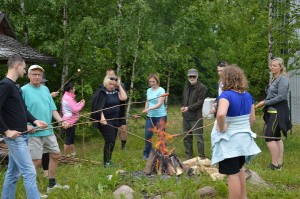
[
  {"x": 78, "y": 70},
  {"x": 164, "y": 95}
]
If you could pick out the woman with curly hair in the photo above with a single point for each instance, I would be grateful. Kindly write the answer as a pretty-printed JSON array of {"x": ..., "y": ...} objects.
[{"x": 232, "y": 139}]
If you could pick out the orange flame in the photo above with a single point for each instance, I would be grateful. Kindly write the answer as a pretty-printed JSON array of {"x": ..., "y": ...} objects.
[{"x": 163, "y": 137}]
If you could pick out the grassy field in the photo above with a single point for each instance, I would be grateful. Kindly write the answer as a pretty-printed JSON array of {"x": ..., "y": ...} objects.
[{"x": 89, "y": 181}]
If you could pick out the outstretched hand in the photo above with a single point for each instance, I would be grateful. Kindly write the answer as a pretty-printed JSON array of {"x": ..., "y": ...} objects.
[
  {"x": 260, "y": 104},
  {"x": 40, "y": 124}
]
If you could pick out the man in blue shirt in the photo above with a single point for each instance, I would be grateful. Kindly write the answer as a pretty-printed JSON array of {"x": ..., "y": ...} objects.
[{"x": 39, "y": 101}]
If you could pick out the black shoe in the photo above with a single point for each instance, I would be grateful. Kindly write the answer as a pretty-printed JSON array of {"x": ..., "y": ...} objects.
[{"x": 273, "y": 167}]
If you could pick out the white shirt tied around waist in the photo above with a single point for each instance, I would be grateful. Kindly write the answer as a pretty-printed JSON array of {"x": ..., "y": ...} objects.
[{"x": 237, "y": 140}]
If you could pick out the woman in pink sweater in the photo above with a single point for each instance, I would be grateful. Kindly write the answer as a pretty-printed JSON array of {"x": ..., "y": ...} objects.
[{"x": 70, "y": 110}]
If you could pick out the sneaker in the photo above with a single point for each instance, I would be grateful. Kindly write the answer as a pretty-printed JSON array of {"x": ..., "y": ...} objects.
[
  {"x": 57, "y": 186},
  {"x": 280, "y": 166},
  {"x": 43, "y": 195},
  {"x": 144, "y": 158},
  {"x": 273, "y": 167},
  {"x": 110, "y": 164}
]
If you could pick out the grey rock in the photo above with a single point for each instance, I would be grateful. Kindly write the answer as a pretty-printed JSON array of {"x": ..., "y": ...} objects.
[{"x": 124, "y": 192}]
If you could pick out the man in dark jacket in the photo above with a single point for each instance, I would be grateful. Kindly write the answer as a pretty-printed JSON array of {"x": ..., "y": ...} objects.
[{"x": 194, "y": 94}]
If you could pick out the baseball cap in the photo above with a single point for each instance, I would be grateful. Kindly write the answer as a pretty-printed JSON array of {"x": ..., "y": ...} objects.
[
  {"x": 192, "y": 72},
  {"x": 33, "y": 67}
]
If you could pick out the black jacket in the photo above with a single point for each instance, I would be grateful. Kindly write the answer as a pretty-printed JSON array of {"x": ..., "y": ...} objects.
[
  {"x": 193, "y": 97},
  {"x": 98, "y": 103},
  {"x": 284, "y": 122}
]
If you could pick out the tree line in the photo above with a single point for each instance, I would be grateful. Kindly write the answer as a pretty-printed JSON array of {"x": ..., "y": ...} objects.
[{"x": 139, "y": 37}]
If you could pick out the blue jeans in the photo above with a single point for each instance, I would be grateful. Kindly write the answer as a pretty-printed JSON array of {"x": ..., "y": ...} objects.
[
  {"x": 150, "y": 121},
  {"x": 20, "y": 163}
]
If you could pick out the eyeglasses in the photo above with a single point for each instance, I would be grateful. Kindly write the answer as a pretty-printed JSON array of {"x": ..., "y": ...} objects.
[
  {"x": 113, "y": 79},
  {"x": 36, "y": 75},
  {"x": 192, "y": 76}
]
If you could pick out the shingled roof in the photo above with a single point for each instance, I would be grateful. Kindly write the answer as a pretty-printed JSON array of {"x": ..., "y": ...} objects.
[{"x": 9, "y": 45}]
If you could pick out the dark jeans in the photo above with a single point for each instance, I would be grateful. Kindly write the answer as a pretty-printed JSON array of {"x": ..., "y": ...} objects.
[
  {"x": 188, "y": 139},
  {"x": 150, "y": 121},
  {"x": 109, "y": 134}
]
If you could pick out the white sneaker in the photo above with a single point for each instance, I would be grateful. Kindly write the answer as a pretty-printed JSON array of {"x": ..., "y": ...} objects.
[
  {"x": 57, "y": 186},
  {"x": 43, "y": 195}
]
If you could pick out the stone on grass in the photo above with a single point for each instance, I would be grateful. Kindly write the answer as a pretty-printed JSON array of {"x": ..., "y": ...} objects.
[
  {"x": 170, "y": 195},
  {"x": 157, "y": 197},
  {"x": 123, "y": 192},
  {"x": 206, "y": 191},
  {"x": 253, "y": 178}
]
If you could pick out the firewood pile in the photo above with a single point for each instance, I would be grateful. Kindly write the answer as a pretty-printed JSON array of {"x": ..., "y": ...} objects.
[
  {"x": 195, "y": 166},
  {"x": 171, "y": 165},
  {"x": 74, "y": 160},
  {"x": 158, "y": 163},
  {"x": 63, "y": 159},
  {"x": 3, "y": 153}
]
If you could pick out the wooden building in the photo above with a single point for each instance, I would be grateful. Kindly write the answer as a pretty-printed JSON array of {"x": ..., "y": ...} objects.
[{"x": 10, "y": 45}]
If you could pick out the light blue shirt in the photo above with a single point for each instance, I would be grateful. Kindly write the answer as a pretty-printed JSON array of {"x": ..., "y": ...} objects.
[
  {"x": 160, "y": 111},
  {"x": 237, "y": 140},
  {"x": 40, "y": 104}
]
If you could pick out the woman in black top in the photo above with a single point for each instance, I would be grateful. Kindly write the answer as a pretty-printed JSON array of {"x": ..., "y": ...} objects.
[{"x": 108, "y": 97}]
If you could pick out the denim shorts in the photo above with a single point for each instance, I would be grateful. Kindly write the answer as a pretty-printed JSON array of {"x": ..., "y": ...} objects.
[{"x": 43, "y": 144}]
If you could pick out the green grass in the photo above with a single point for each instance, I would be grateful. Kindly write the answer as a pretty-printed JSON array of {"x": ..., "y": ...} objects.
[{"x": 89, "y": 181}]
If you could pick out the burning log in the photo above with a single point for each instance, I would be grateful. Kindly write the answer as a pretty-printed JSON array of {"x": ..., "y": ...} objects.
[
  {"x": 161, "y": 160},
  {"x": 171, "y": 169},
  {"x": 151, "y": 162},
  {"x": 161, "y": 164}
]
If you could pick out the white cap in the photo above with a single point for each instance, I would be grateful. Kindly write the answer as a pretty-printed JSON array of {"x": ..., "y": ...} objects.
[{"x": 33, "y": 67}]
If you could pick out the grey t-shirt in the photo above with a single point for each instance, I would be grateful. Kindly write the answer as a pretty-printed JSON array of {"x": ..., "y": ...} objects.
[{"x": 277, "y": 90}]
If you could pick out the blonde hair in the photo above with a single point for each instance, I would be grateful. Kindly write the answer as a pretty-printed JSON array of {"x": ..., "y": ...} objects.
[
  {"x": 107, "y": 80},
  {"x": 281, "y": 64},
  {"x": 233, "y": 77}
]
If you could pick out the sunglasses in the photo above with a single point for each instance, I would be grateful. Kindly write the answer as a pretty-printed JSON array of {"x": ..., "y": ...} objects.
[
  {"x": 113, "y": 79},
  {"x": 192, "y": 76},
  {"x": 221, "y": 64}
]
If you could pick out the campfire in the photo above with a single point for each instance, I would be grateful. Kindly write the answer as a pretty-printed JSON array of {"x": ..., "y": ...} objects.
[
  {"x": 163, "y": 164},
  {"x": 161, "y": 160}
]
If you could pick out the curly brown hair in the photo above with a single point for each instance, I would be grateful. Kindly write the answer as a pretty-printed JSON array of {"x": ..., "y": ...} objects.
[{"x": 233, "y": 77}]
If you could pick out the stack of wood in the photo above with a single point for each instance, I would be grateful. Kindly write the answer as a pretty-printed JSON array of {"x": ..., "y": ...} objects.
[
  {"x": 3, "y": 153},
  {"x": 197, "y": 165},
  {"x": 63, "y": 159},
  {"x": 74, "y": 160},
  {"x": 162, "y": 164}
]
